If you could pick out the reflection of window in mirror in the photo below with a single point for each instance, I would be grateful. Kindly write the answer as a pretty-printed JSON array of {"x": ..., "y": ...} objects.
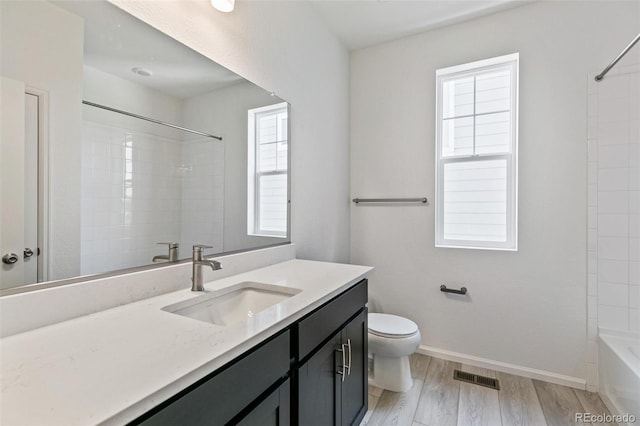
[{"x": 267, "y": 171}]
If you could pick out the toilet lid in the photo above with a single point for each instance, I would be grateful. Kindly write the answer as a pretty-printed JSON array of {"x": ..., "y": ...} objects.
[{"x": 387, "y": 325}]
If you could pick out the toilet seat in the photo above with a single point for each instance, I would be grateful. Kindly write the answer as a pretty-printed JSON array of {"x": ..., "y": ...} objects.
[{"x": 391, "y": 326}]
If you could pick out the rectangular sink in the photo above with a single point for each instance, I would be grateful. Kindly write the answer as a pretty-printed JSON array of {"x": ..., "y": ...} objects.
[{"x": 233, "y": 304}]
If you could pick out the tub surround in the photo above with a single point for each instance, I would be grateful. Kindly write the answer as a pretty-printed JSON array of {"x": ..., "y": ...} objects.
[
  {"x": 619, "y": 371},
  {"x": 114, "y": 365}
]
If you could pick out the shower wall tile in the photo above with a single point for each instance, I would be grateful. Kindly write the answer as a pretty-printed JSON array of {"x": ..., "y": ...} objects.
[
  {"x": 612, "y": 179},
  {"x": 634, "y": 249},
  {"x": 612, "y": 294},
  {"x": 202, "y": 172},
  {"x": 613, "y": 317},
  {"x": 613, "y": 110},
  {"x": 634, "y": 320},
  {"x": 634, "y": 273},
  {"x": 613, "y": 225},
  {"x": 634, "y": 155},
  {"x": 130, "y": 197},
  {"x": 634, "y": 296},
  {"x": 613, "y": 156},
  {"x": 634, "y": 178},
  {"x": 613, "y": 271},
  {"x": 634, "y": 226},
  {"x": 613, "y": 248},
  {"x": 613, "y": 132},
  {"x": 614, "y": 150},
  {"x": 634, "y": 131},
  {"x": 613, "y": 88},
  {"x": 634, "y": 202}
]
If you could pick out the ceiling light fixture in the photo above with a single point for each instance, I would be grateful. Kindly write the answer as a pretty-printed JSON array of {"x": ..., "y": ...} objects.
[{"x": 223, "y": 5}]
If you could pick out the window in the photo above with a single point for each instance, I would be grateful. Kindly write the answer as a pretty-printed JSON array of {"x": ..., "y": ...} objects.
[
  {"x": 268, "y": 168},
  {"x": 476, "y": 154}
]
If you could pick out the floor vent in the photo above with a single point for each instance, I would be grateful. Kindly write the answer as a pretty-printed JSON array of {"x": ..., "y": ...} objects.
[{"x": 476, "y": 379}]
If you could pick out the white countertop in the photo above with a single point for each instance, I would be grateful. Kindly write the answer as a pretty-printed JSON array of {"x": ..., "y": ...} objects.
[{"x": 112, "y": 366}]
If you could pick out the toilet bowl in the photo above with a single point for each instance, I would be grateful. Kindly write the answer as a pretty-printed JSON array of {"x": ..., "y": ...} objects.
[{"x": 391, "y": 340}]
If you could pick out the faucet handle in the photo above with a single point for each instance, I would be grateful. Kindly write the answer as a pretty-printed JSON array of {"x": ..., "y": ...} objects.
[
  {"x": 171, "y": 245},
  {"x": 201, "y": 247},
  {"x": 198, "y": 250}
]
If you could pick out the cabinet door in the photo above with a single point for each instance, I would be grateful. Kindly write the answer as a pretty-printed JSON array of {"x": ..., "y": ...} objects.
[
  {"x": 222, "y": 396},
  {"x": 355, "y": 385},
  {"x": 275, "y": 410},
  {"x": 319, "y": 386}
]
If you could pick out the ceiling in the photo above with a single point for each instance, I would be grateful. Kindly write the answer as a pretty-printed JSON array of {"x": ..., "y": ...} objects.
[
  {"x": 364, "y": 23},
  {"x": 116, "y": 42}
]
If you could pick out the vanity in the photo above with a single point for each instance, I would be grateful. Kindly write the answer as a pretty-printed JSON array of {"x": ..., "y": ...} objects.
[{"x": 301, "y": 360}]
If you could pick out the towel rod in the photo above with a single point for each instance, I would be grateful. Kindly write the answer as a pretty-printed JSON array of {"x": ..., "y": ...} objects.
[{"x": 390, "y": 200}]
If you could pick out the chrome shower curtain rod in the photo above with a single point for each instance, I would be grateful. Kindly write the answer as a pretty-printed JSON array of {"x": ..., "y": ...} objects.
[
  {"x": 152, "y": 120},
  {"x": 604, "y": 72}
]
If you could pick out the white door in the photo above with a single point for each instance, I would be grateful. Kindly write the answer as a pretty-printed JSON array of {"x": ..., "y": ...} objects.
[
  {"x": 19, "y": 181},
  {"x": 12, "y": 154}
]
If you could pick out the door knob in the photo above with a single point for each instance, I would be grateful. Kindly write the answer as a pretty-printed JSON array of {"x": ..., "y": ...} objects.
[
  {"x": 10, "y": 258},
  {"x": 28, "y": 252}
]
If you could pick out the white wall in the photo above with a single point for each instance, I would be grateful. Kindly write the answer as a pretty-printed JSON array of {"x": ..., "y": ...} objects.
[
  {"x": 526, "y": 308},
  {"x": 286, "y": 48},
  {"x": 107, "y": 89},
  {"x": 54, "y": 65}
]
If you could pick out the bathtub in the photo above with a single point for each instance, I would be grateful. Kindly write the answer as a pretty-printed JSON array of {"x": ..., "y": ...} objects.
[{"x": 619, "y": 374}]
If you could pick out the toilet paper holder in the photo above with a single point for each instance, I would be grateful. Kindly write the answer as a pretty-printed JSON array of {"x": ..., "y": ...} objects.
[{"x": 444, "y": 289}]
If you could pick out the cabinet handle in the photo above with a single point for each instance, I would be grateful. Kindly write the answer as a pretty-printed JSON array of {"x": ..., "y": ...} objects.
[
  {"x": 349, "y": 367},
  {"x": 344, "y": 362}
]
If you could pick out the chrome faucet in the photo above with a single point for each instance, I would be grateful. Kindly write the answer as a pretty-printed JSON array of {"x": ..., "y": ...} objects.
[
  {"x": 171, "y": 257},
  {"x": 198, "y": 261}
]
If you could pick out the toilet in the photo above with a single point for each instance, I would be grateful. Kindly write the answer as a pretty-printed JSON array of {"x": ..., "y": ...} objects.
[{"x": 391, "y": 340}]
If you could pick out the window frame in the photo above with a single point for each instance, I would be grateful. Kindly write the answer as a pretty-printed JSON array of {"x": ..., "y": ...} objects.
[
  {"x": 468, "y": 70},
  {"x": 254, "y": 175}
]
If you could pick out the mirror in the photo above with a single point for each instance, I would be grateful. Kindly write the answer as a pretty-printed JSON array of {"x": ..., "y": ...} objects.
[{"x": 116, "y": 137}]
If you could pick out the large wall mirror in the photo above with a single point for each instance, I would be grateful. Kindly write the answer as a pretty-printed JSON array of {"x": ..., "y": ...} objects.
[{"x": 116, "y": 137}]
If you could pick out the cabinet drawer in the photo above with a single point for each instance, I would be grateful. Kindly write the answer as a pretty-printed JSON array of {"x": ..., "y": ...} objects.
[
  {"x": 322, "y": 323},
  {"x": 217, "y": 399}
]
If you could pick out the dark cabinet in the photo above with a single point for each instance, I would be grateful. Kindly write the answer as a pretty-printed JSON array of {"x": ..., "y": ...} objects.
[
  {"x": 354, "y": 390},
  {"x": 225, "y": 395},
  {"x": 275, "y": 410},
  {"x": 319, "y": 386},
  {"x": 312, "y": 373},
  {"x": 332, "y": 378}
]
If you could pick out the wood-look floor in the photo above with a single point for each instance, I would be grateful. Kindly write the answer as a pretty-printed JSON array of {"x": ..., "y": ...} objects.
[{"x": 436, "y": 399}]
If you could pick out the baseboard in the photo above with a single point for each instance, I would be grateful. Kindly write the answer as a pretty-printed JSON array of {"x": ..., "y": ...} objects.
[{"x": 518, "y": 370}]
